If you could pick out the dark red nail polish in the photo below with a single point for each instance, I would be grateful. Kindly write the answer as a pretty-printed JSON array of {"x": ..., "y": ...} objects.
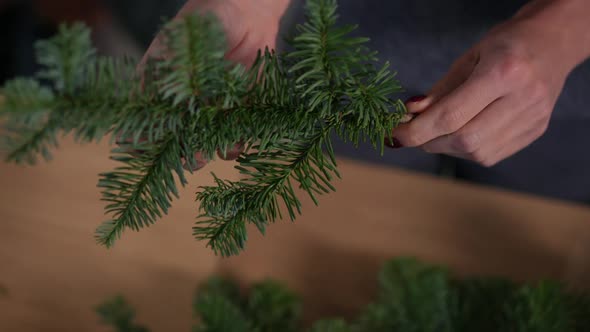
[
  {"x": 393, "y": 143},
  {"x": 415, "y": 99}
]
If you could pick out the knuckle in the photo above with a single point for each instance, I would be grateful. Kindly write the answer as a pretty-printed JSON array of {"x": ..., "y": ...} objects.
[
  {"x": 467, "y": 142},
  {"x": 515, "y": 68}
]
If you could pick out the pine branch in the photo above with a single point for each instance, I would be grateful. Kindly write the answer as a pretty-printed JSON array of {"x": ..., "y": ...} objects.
[
  {"x": 194, "y": 68},
  {"x": 367, "y": 111},
  {"x": 23, "y": 97},
  {"x": 578, "y": 304},
  {"x": 480, "y": 305},
  {"x": 103, "y": 99},
  {"x": 413, "y": 297},
  {"x": 65, "y": 58},
  {"x": 26, "y": 129},
  {"x": 218, "y": 309},
  {"x": 539, "y": 308},
  {"x": 269, "y": 175},
  {"x": 140, "y": 191},
  {"x": 273, "y": 307},
  {"x": 26, "y": 142},
  {"x": 284, "y": 110},
  {"x": 117, "y": 313},
  {"x": 332, "y": 325},
  {"x": 88, "y": 92}
]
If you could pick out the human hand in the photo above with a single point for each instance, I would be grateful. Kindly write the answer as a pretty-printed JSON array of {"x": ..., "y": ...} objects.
[
  {"x": 498, "y": 97},
  {"x": 250, "y": 25}
]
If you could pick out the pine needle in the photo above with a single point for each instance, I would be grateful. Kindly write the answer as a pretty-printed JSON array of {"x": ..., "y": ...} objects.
[{"x": 285, "y": 110}]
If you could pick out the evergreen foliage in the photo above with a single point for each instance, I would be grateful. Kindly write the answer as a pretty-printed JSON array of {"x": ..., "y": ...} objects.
[
  {"x": 119, "y": 314},
  {"x": 413, "y": 297},
  {"x": 284, "y": 110}
]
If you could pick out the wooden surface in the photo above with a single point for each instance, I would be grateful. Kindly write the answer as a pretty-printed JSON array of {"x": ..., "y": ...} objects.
[{"x": 52, "y": 273}]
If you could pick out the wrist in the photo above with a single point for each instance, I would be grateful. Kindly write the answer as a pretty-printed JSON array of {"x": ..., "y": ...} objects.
[{"x": 559, "y": 25}]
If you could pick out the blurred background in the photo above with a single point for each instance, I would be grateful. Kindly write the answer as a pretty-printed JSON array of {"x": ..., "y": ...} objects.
[
  {"x": 120, "y": 27},
  {"x": 48, "y": 213}
]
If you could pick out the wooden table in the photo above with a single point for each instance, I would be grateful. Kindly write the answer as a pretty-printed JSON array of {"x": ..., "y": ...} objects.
[{"x": 53, "y": 273}]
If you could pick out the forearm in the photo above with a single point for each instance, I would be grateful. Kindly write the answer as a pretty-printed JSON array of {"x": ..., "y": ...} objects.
[{"x": 563, "y": 25}]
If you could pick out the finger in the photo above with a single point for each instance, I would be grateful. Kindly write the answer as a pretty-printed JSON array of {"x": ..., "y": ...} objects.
[
  {"x": 457, "y": 74},
  {"x": 232, "y": 153},
  {"x": 495, "y": 134},
  {"x": 512, "y": 145},
  {"x": 235, "y": 30},
  {"x": 451, "y": 112},
  {"x": 492, "y": 124},
  {"x": 129, "y": 146},
  {"x": 196, "y": 164},
  {"x": 518, "y": 142},
  {"x": 225, "y": 13}
]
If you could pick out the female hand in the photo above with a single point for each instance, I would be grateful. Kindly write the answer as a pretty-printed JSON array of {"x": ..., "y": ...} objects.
[
  {"x": 250, "y": 25},
  {"x": 498, "y": 97}
]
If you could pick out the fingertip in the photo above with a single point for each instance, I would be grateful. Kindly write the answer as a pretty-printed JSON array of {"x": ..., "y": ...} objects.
[
  {"x": 233, "y": 153},
  {"x": 417, "y": 104},
  {"x": 199, "y": 162},
  {"x": 193, "y": 168},
  {"x": 393, "y": 143},
  {"x": 405, "y": 134}
]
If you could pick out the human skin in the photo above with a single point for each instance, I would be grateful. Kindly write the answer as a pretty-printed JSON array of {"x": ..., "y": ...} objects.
[
  {"x": 498, "y": 97},
  {"x": 250, "y": 25},
  {"x": 494, "y": 101}
]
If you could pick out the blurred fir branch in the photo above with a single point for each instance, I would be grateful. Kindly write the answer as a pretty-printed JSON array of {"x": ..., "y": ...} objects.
[
  {"x": 284, "y": 110},
  {"x": 413, "y": 297},
  {"x": 120, "y": 315}
]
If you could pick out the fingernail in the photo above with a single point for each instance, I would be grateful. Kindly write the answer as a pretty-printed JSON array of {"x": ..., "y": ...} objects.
[
  {"x": 415, "y": 99},
  {"x": 393, "y": 143}
]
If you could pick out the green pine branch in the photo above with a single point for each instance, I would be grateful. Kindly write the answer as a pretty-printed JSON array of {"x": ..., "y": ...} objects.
[
  {"x": 229, "y": 206},
  {"x": 412, "y": 297},
  {"x": 284, "y": 110},
  {"x": 65, "y": 57},
  {"x": 119, "y": 314},
  {"x": 331, "y": 325},
  {"x": 32, "y": 142},
  {"x": 141, "y": 190}
]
